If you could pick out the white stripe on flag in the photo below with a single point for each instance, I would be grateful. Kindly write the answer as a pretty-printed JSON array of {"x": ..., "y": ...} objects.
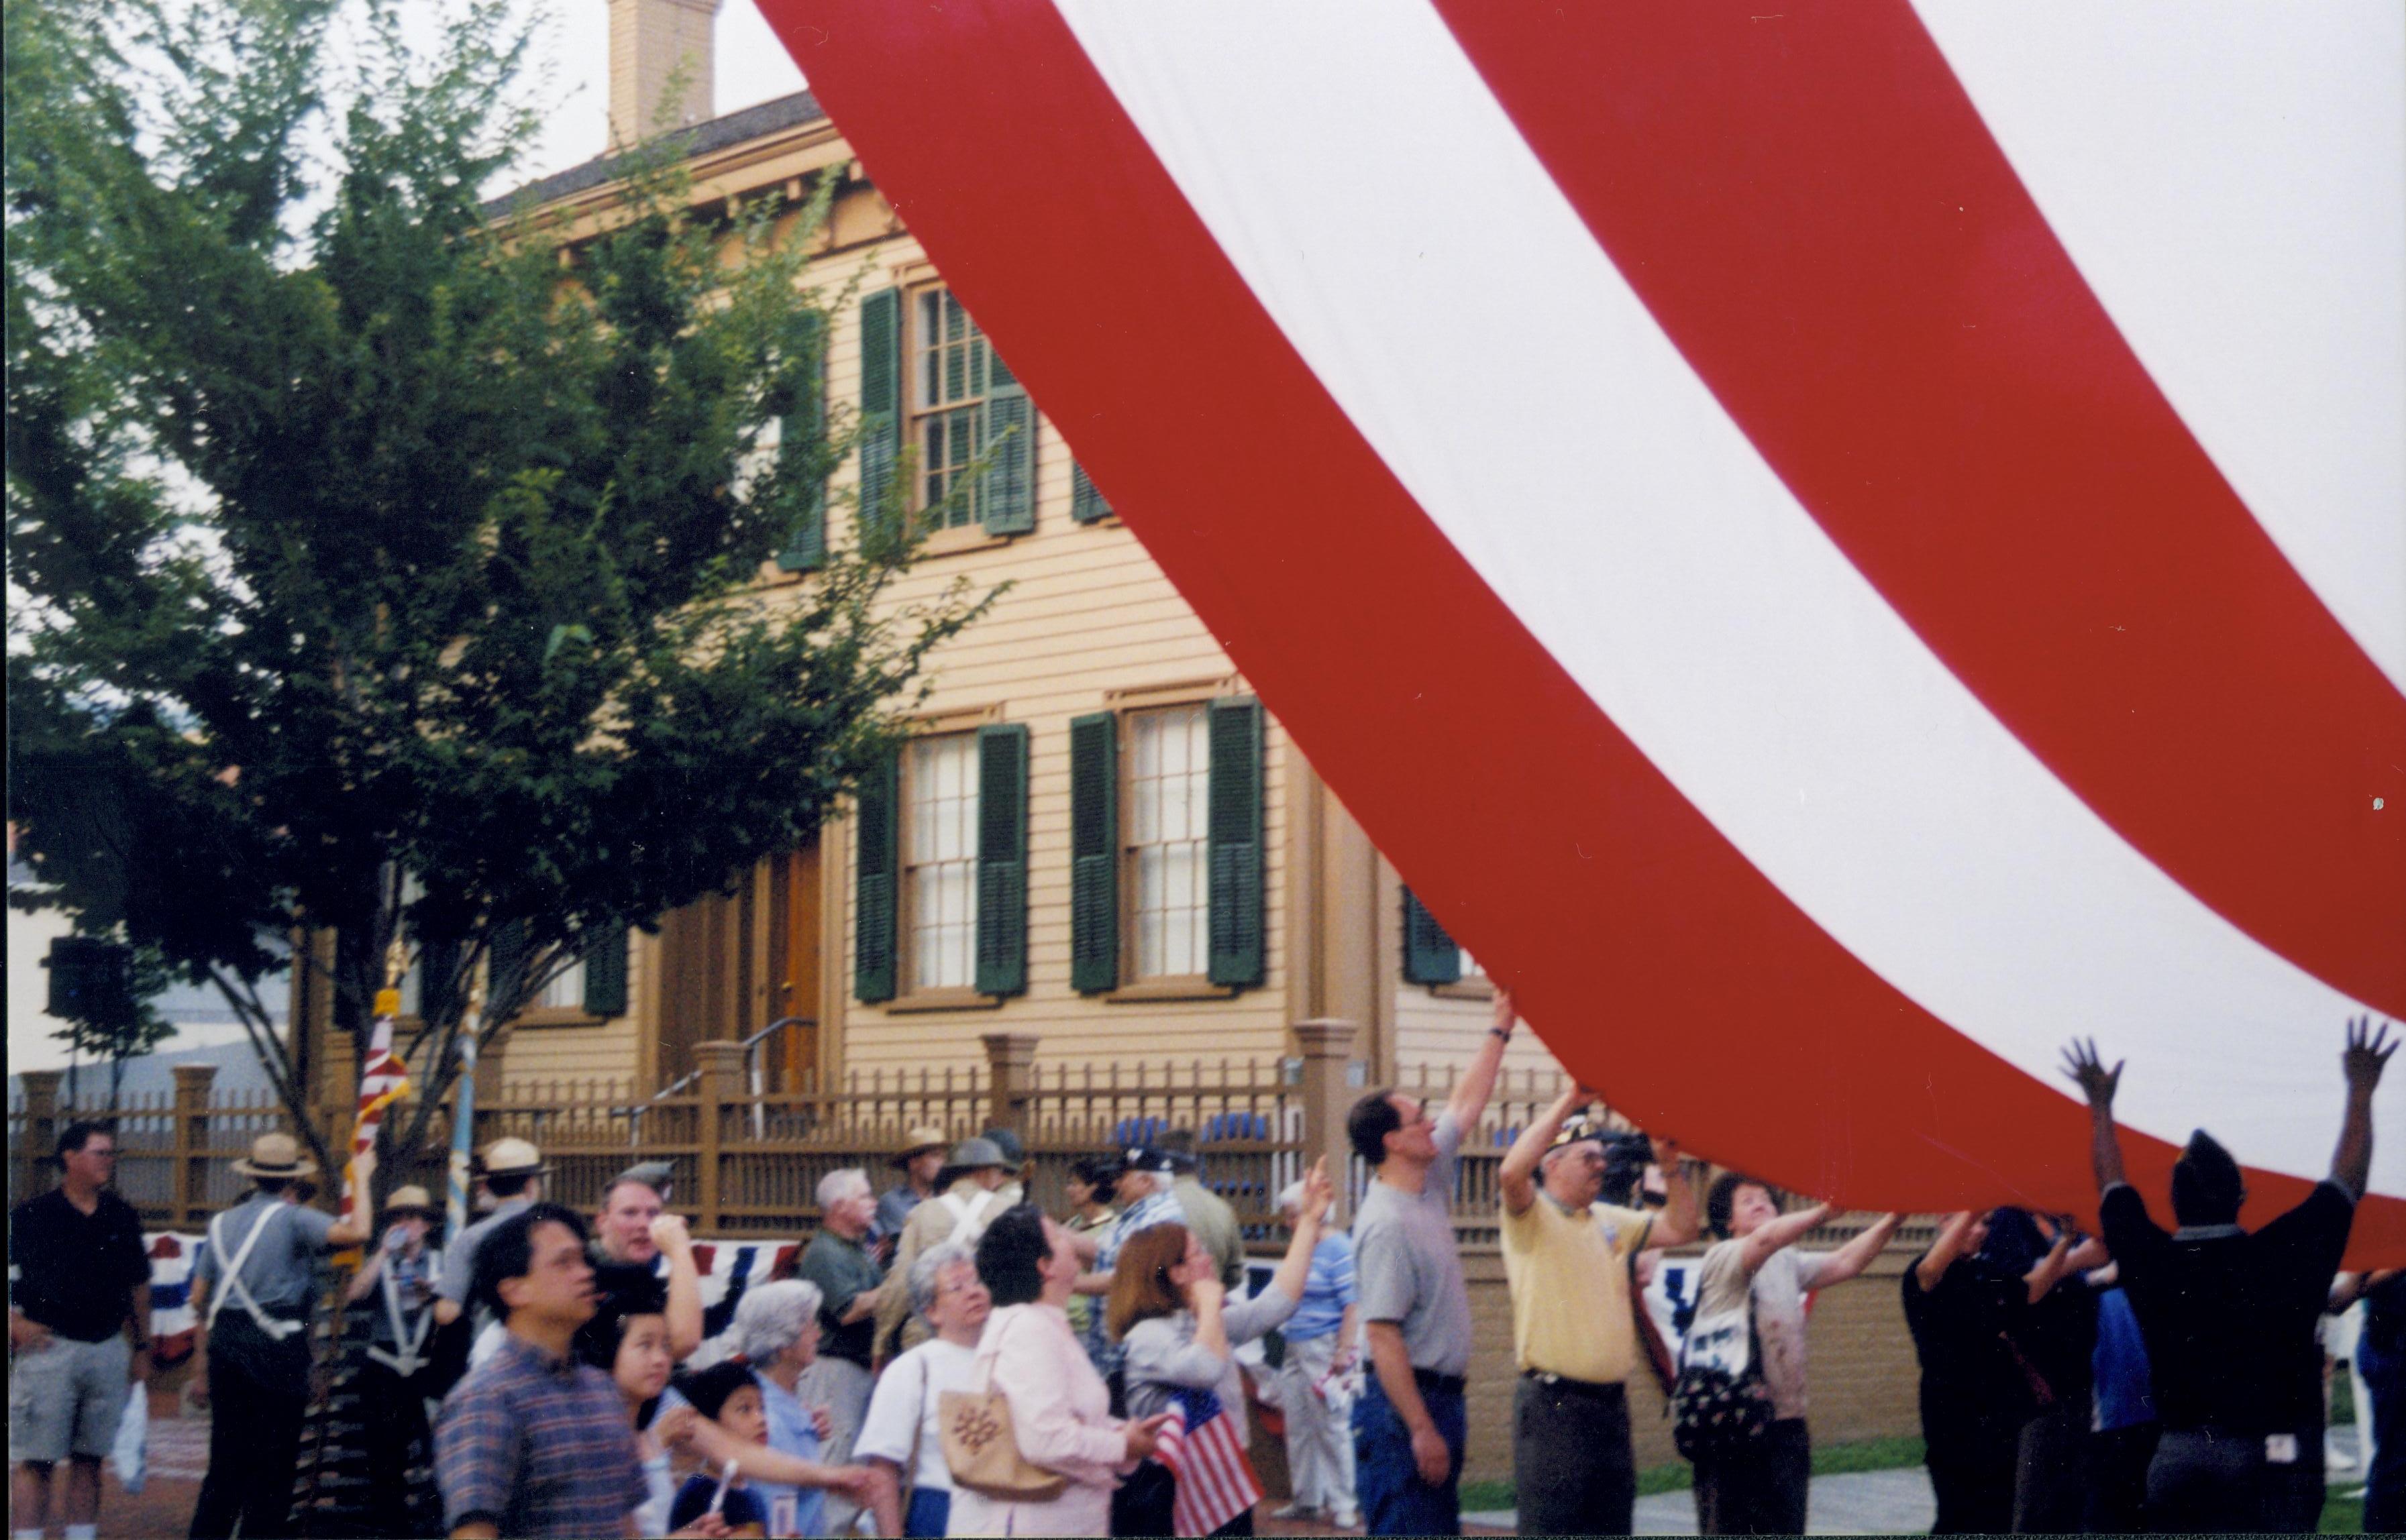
[
  {"x": 2206, "y": 165},
  {"x": 1387, "y": 214}
]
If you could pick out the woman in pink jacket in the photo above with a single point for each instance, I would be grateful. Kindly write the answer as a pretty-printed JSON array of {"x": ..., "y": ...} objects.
[{"x": 1060, "y": 1409}]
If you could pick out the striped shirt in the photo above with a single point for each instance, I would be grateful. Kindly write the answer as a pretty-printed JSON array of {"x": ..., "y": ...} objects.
[
  {"x": 535, "y": 1444},
  {"x": 1327, "y": 1290}
]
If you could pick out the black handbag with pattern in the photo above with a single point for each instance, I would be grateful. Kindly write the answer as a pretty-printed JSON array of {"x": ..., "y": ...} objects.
[{"x": 1720, "y": 1404}]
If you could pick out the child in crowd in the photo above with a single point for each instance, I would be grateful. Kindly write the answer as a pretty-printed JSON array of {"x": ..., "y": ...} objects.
[{"x": 728, "y": 1395}]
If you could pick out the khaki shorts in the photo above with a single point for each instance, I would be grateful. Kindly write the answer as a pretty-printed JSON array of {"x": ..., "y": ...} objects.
[{"x": 65, "y": 1398}]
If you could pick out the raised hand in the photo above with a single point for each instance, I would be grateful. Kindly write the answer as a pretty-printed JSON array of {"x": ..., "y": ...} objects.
[
  {"x": 1318, "y": 1192},
  {"x": 2367, "y": 1051},
  {"x": 670, "y": 1234},
  {"x": 2097, "y": 1083}
]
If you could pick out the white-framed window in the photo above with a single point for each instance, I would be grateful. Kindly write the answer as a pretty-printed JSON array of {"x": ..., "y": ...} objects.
[
  {"x": 950, "y": 371},
  {"x": 1168, "y": 822},
  {"x": 566, "y": 991},
  {"x": 939, "y": 818}
]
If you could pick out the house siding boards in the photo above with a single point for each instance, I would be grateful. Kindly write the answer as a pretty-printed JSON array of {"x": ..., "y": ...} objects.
[{"x": 1087, "y": 618}]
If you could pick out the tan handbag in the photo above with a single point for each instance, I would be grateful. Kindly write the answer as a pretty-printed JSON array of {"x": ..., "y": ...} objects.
[{"x": 982, "y": 1450}]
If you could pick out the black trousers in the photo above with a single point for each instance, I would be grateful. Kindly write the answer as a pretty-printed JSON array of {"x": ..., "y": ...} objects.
[
  {"x": 2205, "y": 1481},
  {"x": 1970, "y": 1474},
  {"x": 400, "y": 1449},
  {"x": 2051, "y": 1474},
  {"x": 2118, "y": 1478},
  {"x": 1761, "y": 1491},
  {"x": 259, "y": 1392},
  {"x": 1572, "y": 1468}
]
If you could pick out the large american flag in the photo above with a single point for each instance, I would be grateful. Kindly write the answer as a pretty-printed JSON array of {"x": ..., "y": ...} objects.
[
  {"x": 1214, "y": 1474},
  {"x": 1878, "y": 522}
]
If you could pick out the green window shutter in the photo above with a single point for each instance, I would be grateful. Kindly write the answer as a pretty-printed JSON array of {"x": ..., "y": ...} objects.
[
  {"x": 1007, "y": 502},
  {"x": 798, "y": 438},
  {"x": 437, "y": 960},
  {"x": 877, "y": 875},
  {"x": 605, "y": 973},
  {"x": 1236, "y": 843},
  {"x": 881, "y": 403},
  {"x": 1086, "y": 504},
  {"x": 1094, "y": 852},
  {"x": 1002, "y": 859},
  {"x": 1430, "y": 955},
  {"x": 505, "y": 961}
]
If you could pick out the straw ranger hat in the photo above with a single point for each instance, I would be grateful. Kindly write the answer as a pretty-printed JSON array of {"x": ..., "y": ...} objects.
[
  {"x": 412, "y": 1199},
  {"x": 276, "y": 1155},
  {"x": 923, "y": 1139},
  {"x": 514, "y": 1157}
]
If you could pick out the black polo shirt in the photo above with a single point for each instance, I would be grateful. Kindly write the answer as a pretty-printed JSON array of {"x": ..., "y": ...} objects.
[
  {"x": 2228, "y": 1315},
  {"x": 75, "y": 1273}
]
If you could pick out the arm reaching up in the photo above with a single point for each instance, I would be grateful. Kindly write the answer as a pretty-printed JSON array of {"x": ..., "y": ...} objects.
[
  {"x": 1517, "y": 1177},
  {"x": 1679, "y": 1222},
  {"x": 1786, "y": 1230},
  {"x": 1954, "y": 1240},
  {"x": 2099, "y": 1084},
  {"x": 2367, "y": 1053},
  {"x": 1850, "y": 1260},
  {"x": 1478, "y": 1083}
]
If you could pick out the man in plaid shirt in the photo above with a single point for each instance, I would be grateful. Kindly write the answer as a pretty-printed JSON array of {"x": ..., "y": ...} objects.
[{"x": 534, "y": 1442}]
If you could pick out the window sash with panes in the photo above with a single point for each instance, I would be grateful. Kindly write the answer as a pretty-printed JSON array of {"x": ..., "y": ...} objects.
[
  {"x": 566, "y": 992},
  {"x": 951, "y": 372},
  {"x": 941, "y": 866},
  {"x": 1168, "y": 825}
]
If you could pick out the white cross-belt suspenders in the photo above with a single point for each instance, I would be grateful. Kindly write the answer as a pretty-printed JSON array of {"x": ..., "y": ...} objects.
[
  {"x": 965, "y": 1214},
  {"x": 407, "y": 1356},
  {"x": 235, "y": 1289}
]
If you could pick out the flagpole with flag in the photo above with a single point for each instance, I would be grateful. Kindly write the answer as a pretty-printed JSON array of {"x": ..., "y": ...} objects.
[
  {"x": 383, "y": 1081},
  {"x": 463, "y": 1114}
]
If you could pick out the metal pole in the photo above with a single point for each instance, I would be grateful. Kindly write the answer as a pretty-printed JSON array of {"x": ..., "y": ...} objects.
[{"x": 463, "y": 1112}]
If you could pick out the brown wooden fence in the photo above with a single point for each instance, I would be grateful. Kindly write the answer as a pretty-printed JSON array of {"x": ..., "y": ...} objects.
[{"x": 744, "y": 1160}]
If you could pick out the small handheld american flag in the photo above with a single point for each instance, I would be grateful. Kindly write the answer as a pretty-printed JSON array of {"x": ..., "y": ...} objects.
[{"x": 1215, "y": 1478}]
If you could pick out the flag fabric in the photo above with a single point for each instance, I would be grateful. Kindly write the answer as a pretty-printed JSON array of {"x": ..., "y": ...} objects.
[
  {"x": 1214, "y": 1475},
  {"x": 383, "y": 1081},
  {"x": 1870, "y": 530}
]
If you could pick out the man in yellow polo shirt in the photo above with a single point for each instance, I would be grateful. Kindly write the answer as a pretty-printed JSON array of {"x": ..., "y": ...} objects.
[{"x": 1568, "y": 1259}]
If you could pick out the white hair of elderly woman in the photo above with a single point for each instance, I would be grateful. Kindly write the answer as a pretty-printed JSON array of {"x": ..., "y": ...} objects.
[
  {"x": 1291, "y": 1200},
  {"x": 770, "y": 1317},
  {"x": 932, "y": 1262},
  {"x": 836, "y": 1186}
]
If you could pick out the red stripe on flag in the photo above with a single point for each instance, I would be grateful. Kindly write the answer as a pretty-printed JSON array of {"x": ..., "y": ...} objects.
[
  {"x": 1815, "y": 212},
  {"x": 991, "y": 134}
]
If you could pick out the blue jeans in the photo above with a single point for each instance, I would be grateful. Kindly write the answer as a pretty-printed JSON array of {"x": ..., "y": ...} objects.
[
  {"x": 1395, "y": 1499},
  {"x": 2383, "y": 1367},
  {"x": 929, "y": 1510}
]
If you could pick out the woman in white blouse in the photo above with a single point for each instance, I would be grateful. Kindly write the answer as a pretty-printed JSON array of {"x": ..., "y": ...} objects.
[
  {"x": 900, "y": 1437},
  {"x": 1060, "y": 1409}
]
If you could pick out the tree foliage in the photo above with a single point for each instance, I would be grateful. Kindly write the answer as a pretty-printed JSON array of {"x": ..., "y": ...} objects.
[{"x": 389, "y": 563}]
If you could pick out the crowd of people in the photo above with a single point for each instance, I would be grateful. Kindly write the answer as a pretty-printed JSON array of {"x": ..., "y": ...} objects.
[{"x": 946, "y": 1357}]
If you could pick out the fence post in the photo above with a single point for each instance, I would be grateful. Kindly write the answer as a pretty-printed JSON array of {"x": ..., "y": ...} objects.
[
  {"x": 720, "y": 1080},
  {"x": 41, "y": 1128},
  {"x": 1011, "y": 1065},
  {"x": 1327, "y": 1046},
  {"x": 193, "y": 1083}
]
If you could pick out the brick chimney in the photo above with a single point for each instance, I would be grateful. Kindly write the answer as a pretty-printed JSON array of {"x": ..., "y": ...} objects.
[{"x": 648, "y": 40}]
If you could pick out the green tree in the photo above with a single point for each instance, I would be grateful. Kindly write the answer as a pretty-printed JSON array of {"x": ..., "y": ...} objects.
[{"x": 389, "y": 564}]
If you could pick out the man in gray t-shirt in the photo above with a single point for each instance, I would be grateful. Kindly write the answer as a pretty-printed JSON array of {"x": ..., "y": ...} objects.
[
  {"x": 1409, "y": 1425},
  {"x": 1406, "y": 1264}
]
